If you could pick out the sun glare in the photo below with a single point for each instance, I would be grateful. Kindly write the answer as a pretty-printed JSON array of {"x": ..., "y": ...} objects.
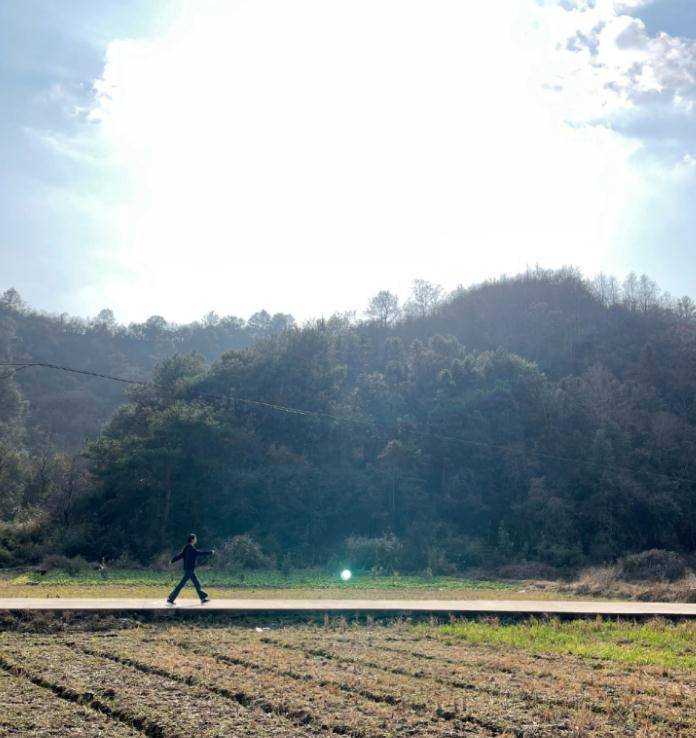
[{"x": 321, "y": 137}]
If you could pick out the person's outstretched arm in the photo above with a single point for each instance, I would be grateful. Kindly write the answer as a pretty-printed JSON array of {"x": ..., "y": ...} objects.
[
  {"x": 177, "y": 557},
  {"x": 205, "y": 553}
]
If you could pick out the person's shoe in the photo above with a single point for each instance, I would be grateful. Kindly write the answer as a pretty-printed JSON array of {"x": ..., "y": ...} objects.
[
  {"x": 170, "y": 603},
  {"x": 204, "y": 600}
]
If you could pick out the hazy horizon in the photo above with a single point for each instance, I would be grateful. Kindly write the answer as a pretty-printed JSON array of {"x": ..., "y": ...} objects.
[
  {"x": 361, "y": 312},
  {"x": 176, "y": 157}
]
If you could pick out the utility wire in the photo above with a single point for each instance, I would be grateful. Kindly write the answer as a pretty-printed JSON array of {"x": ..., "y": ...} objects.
[
  {"x": 12, "y": 372},
  {"x": 44, "y": 365},
  {"x": 337, "y": 418}
]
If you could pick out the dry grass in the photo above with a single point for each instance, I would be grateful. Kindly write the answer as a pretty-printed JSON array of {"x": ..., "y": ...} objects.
[
  {"x": 603, "y": 582},
  {"x": 30, "y": 710},
  {"x": 310, "y": 680}
]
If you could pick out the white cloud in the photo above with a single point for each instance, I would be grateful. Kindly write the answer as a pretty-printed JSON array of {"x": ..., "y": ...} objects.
[
  {"x": 606, "y": 63},
  {"x": 603, "y": 6},
  {"x": 301, "y": 156},
  {"x": 622, "y": 5},
  {"x": 609, "y": 70}
]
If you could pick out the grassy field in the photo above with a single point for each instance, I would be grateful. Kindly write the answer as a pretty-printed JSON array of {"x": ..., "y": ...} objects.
[
  {"x": 320, "y": 583},
  {"x": 183, "y": 678},
  {"x": 301, "y": 579},
  {"x": 308, "y": 583},
  {"x": 656, "y": 643}
]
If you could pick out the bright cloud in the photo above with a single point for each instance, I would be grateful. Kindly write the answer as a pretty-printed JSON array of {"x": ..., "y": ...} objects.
[
  {"x": 604, "y": 62},
  {"x": 301, "y": 156},
  {"x": 305, "y": 155},
  {"x": 621, "y": 5},
  {"x": 609, "y": 71}
]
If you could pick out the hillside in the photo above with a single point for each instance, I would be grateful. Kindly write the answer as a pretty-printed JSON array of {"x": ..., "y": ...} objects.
[
  {"x": 527, "y": 419},
  {"x": 62, "y": 409}
]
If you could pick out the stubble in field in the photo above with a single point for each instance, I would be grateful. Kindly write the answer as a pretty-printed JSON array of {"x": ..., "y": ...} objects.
[{"x": 365, "y": 681}]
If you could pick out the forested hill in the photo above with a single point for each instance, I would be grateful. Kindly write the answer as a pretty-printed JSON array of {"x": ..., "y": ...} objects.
[
  {"x": 62, "y": 410},
  {"x": 540, "y": 418}
]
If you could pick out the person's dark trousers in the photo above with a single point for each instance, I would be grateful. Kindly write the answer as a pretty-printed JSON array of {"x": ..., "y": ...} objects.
[{"x": 187, "y": 575}]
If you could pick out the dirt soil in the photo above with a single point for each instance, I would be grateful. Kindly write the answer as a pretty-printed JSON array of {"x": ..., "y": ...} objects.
[{"x": 366, "y": 681}]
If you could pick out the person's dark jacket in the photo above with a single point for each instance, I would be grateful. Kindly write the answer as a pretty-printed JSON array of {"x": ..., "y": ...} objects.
[{"x": 189, "y": 553}]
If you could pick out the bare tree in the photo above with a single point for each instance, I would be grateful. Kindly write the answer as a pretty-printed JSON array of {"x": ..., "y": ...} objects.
[
  {"x": 647, "y": 294},
  {"x": 600, "y": 288},
  {"x": 425, "y": 297},
  {"x": 630, "y": 291},
  {"x": 666, "y": 301},
  {"x": 384, "y": 308},
  {"x": 613, "y": 291},
  {"x": 686, "y": 308}
]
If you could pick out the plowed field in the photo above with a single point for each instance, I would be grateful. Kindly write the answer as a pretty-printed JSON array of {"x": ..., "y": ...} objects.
[{"x": 365, "y": 681}]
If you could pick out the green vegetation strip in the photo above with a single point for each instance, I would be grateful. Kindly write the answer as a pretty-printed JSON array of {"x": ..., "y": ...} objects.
[
  {"x": 654, "y": 643},
  {"x": 262, "y": 579}
]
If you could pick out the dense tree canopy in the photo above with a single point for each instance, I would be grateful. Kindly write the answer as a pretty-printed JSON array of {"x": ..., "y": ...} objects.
[
  {"x": 69, "y": 408},
  {"x": 538, "y": 418}
]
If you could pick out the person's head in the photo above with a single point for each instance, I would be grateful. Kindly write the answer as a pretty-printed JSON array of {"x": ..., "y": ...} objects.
[{"x": 191, "y": 538}]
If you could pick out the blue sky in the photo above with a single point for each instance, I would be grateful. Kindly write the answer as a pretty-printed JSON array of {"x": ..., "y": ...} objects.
[
  {"x": 675, "y": 17},
  {"x": 53, "y": 242},
  {"x": 173, "y": 157}
]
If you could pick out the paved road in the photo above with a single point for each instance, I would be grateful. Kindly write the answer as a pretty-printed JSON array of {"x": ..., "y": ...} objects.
[{"x": 532, "y": 607}]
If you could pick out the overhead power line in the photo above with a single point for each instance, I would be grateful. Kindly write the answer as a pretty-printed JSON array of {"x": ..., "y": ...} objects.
[
  {"x": 12, "y": 372},
  {"x": 337, "y": 418},
  {"x": 44, "y": 365}
]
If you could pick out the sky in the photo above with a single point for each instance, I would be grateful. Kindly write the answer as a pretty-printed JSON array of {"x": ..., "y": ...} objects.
[{"x": 173, "y": 157}]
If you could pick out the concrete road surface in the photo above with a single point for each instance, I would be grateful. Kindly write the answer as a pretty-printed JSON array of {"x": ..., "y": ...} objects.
[{"x": 531, "y": 607}]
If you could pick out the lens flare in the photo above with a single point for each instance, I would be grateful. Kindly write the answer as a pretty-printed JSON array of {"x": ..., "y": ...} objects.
[{"x": 346, "y": 575}]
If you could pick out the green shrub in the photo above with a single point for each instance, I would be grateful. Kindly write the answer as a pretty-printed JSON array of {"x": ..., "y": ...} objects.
[
  {"x": 438, "y": 562},
  {"x": 79, "y": 540},
  {"x": 380, "y": 555},
  {"x": 58, "y": 562},
  {"x": 6, "y": 558},
  {"x": 22, "y": 535},
  {"x": 562, "y": 556},
  {"x": 470, "y": 551},
  {"x": 285, "y": 565},
  {"x": 124, "y": 561},
  {"x": 241, "y": 552}
]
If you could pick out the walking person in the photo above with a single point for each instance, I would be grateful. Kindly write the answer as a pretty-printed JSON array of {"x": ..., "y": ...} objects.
[{"x": 189, "y": 553}]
